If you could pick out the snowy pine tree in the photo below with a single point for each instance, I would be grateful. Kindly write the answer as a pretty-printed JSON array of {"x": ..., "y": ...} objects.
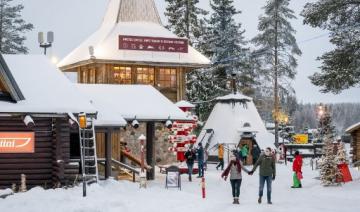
[
  {"x": 277, "y": 46},
  {"x": 185, "y": 18},
  {"x": 340, "y": 67},
  {"x": 227, "y": 45},
  {"x": 12, "y": 27},
  {"x": 329, "y": 172}
]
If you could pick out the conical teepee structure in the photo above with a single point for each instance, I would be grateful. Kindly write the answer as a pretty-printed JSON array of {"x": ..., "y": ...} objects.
[{"x": 234, "y": 116}]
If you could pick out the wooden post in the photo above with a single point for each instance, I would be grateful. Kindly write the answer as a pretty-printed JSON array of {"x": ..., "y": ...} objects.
[
  {"x": 108, "y": 156},
  {"x": 285, "y": 154},
  {"x": 150, "y": 149},
  {"x": 58, "y": 164}
]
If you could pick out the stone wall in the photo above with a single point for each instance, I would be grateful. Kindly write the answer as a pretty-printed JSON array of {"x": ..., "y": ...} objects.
[{"x": 162, "y": 154}]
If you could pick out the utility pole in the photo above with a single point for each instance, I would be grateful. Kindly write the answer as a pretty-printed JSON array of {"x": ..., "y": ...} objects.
[{"x": 276, "y": 83}]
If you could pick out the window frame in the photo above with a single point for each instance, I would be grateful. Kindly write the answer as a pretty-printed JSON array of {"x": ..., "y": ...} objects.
[
  {"x": 125, "y": 75},
  {"x": 145, "y": 71},
  {"x": 167, "y": 80}
]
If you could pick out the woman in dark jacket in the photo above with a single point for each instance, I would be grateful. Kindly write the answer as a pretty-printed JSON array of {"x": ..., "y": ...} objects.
[{"x": 234, "y": 169}]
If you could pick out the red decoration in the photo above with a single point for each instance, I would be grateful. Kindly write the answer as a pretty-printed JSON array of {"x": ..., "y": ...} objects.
[
  {"x": 182, "y": 137},
  {"x": 346, "y": 175}
]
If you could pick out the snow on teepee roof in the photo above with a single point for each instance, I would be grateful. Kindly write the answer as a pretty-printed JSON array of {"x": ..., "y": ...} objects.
[
  {"x": 231, "y": 116},
  {"x": 130, "y": 18},
  {"x": 234, "y": 97}
]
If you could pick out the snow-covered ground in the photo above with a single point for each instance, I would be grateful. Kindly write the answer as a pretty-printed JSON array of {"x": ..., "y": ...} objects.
[{"x": 125, "y": 196}]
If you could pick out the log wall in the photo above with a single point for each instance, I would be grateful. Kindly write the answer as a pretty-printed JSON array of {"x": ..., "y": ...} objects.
[
  {"x": 49, "y": 165},
  {"x": 356, "y": 145}
]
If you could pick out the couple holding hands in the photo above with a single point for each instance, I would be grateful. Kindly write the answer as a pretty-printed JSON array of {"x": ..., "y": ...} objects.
[{"x": 267, "y": 174}]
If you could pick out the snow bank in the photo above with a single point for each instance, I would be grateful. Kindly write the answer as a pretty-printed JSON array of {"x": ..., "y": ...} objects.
[
  {"x": 6, "y": 192},
  {"x": 112, "y": 196}
]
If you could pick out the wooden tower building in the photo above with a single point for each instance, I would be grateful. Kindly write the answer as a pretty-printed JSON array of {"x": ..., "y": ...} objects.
[{"x": 133, "y": 47}]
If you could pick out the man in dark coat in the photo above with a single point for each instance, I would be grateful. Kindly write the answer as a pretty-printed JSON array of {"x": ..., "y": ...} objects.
[
  {"x": 200, "y": 158},
  {"x": 190, "y": 157}
]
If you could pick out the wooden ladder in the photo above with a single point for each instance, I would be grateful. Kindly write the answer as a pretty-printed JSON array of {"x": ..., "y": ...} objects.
[{"x": 88, "y": 152}]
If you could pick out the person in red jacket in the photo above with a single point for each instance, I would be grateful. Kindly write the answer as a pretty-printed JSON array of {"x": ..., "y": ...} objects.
[{"x": 297, "y": 166}]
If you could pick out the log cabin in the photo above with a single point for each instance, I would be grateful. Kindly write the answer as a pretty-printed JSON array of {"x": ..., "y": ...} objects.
[
  {"x": 35, "y": 102},
  {"x": 133, "y": 47},
  {"x": 354, "y": 130}
]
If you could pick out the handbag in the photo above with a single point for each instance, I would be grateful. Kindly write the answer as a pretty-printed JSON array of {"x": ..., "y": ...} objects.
[{"x": 299, "y": 175}]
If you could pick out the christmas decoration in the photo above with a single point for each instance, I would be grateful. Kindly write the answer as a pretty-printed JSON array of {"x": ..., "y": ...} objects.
[
  {"x": 329, "y": 171},
  {"x": 182, "y": 132}
]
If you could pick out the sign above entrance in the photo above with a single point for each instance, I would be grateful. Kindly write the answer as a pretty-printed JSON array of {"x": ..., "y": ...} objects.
[
  {"x": 176, "y": 45},
  {"x": 17, "y": 142}
]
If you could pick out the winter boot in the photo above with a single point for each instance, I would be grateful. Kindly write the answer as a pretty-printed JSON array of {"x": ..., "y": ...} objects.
[
  {"x": 234, "y": 202},
  {"x": 237, "y": 201},
  {"x": 269, "y": 202},
  {"x": 190, "y": 179},
  {"x": 259, "y": 200}
]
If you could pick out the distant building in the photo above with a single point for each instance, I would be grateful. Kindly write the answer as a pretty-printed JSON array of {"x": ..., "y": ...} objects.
[
  {"x": 133, "y": 47},
  {"x": 355, "y": 143}
]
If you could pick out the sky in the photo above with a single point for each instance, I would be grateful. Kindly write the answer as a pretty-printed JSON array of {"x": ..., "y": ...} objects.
[{"x": 74, "y": 20}]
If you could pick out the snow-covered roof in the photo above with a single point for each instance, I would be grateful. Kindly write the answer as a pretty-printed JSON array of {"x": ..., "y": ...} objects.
[
  {"x": 184, "y": 104},
  {"x": 119, "y": 20},
  {"x": 141, "y": 101},
  {"x": 45, "y": 88},
  {"x": 235, "y": 97},
  {"x": 353, "y": 128},
  {"x": 8, "y": 82},
  {"x": 230, "y": 120}
]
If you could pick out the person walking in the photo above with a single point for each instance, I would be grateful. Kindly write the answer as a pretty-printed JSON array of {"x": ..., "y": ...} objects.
[
  {"x": 267, "y": 173},
  {"x": 200, "y": 158},
  {"x": 244, "y": 153},
  {"x": 190, "y": 158},
  {"x": 297, "y": 166},
  {"x": 234, "y": 169},
  {"x": 221, "y": 157}
]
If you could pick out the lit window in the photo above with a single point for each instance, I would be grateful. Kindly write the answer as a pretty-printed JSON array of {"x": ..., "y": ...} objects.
[
  {"x": 145, "y": 76},
  {"x": 122, "y": 75},
  {"x": 167, "y": 78}
]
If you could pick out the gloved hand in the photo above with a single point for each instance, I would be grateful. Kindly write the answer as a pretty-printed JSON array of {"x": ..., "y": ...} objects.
[
  {"x": 273, "y": 178},
  {"x": 251, "y": 172},
  {"x": 225, "y": 177}
]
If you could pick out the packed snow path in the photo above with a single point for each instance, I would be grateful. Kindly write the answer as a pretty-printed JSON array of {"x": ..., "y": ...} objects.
[{"x": 127, "y": 197}]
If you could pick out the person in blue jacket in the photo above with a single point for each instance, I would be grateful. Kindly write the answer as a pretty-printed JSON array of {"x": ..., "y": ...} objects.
[{"x": 200, "y": 158}]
